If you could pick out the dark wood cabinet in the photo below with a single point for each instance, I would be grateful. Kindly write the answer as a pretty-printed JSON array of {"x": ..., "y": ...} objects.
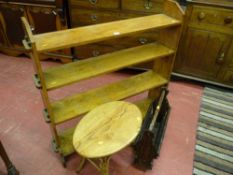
[
  {"x": 43, "y": 16},
  {"x": 205, "y": 50},
  {"x": 37, "y": 16}
]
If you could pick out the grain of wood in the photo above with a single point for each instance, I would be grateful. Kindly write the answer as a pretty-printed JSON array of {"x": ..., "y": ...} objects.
[
  {"x": 105, "y": 130},
  {"x": 90, "y": 34},
  {"x": 73, "y": 106},
  {"x": 76, "y": 71}
]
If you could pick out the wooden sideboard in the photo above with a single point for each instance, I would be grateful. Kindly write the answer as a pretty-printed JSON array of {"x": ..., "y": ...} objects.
[
  {"x": 205, "y": 51},
  {"x": 206, "y": 48},
  {"x": 43, "y": 15}
]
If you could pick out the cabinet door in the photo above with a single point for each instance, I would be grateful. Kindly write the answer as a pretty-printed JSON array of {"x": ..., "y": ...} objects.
[
  {"x": 46, "y": 19},
  {"x": 201, "y": 53},
  {"x": 226, "y": 73},
  {"x": 43, "y": 19},
  {"x": 12, "y": 24}
]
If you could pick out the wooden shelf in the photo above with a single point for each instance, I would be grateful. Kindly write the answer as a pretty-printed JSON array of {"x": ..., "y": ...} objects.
[
  {"x": 76, "y": 71},
  {"x": 66, "y": 146},
  {"x": 71, "y": 107},
  {"x": 89, "y": 34}
]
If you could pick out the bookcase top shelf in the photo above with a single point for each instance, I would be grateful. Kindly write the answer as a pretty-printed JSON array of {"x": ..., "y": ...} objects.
[{"x": 99, "y": 32}]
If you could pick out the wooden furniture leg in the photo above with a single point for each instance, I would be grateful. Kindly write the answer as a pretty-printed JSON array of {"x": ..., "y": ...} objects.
[
  {"x": 102, "y": 166},
  {"x": 10, "y": 167},
  {"x": 81, "y": 165}
]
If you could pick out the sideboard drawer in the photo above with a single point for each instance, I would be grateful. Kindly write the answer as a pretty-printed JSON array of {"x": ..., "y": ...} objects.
[
  {"x": 151, "y": 6},
  {"x": 109, "y": 4},
  {"x": 213, "y": 16},
  {"x": 83, "y": 17},
  {"x": 132, "y": 40},
  {"x": 91, "y": 50},
  {"x": 112, "y": 45}
]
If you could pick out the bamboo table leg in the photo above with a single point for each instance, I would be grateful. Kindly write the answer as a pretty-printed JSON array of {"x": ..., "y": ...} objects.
[
  {"x": 10, "y": 167},
  {"x": 81, "y": 165},
  {"x": 102, "y": 166}
]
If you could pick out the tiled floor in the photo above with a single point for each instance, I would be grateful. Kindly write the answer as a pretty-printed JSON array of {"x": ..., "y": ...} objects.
[{"x": 26, "y": 136}]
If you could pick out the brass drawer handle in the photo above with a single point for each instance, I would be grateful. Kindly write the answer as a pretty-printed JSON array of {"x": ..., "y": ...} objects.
[
  {"x": 201, "y": 15},
  {"x": 93, "y": 1},
  {"x": 95, "y": 53},
  {"x": 46, "y": 11},
  {"x": 94, "y": 17},
  {"x": 221, "y": 58},
  {"x": 148, "y": 4},
  {"x": 54, "y": 13},
  {"x": 228, "y": 20},
  {"x": 32, "y": 28},
  {"x": 143, "y": 40}
]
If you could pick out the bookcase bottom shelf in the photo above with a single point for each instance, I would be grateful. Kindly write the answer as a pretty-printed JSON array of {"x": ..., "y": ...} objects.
[{"x": 66, "y": 146}]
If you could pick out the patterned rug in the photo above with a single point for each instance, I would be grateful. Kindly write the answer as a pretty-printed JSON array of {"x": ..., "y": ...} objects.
[{"x": 214, "y": 146}]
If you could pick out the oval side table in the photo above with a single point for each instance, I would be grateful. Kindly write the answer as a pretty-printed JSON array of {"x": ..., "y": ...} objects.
[{"x": 106, "y": 130}]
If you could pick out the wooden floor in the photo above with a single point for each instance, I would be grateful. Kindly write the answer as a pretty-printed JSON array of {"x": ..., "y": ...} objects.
[{"x": 27, "y": 139}]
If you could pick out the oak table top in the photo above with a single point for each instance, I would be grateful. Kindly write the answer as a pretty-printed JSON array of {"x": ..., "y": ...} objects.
[{"x": 107, "y": 129}]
